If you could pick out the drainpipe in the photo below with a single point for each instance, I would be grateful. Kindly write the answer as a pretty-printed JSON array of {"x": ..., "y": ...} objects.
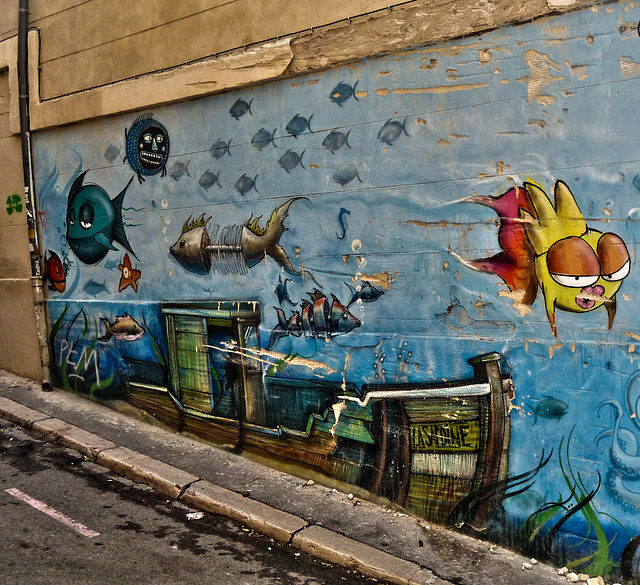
[{"x": 29, "y": 194}]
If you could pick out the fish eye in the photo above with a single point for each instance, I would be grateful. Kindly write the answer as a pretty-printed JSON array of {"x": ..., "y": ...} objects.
[
  {"x": 71, "y": 217},
  {"x": 572, "y": 262},
  {"x": 574, "y": 281},
  {"x": 619, "y": 274},
  {"x": 344, "y": 315},
  {"x": 614, "y": 257},
  {"x": 182, "y": 243},
  {"x": 86, "y": 215}
]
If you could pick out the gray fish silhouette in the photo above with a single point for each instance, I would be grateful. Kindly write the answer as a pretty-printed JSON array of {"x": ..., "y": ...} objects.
[
  {"x": 551, "y": 408},
  {"x": 299, "y": 124},
  {"x": 366, "y": 294},
  {"x": 342, "y": 92},
  {"x": 219, "y": 148},
  {"x": 111, "y": 153},
  {"x": 178, "y": 169},
  {"x": 208, "y": 179},
  {"x": 281, "y": 291},
  {"x": 290, "y": 160},
  {"x": 244, "y": 184},
  {"x": 94, "y": 288},
  {"x": 335, "y": 140},
  {"x": 240, "y": 108},
  {"x": 262, "y": 138},
  {"x": 391, "y": 130},
  {"x": 346, "y": 174}
]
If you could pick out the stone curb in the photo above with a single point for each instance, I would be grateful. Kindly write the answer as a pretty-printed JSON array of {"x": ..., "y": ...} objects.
[
  {"x": 338, "y": 549},
  {"x": 178, "y": 484},
  {"x": 19, "y": 414},
  {"x": 165, "y": 478},
  {"x": 269, "y": 521},
  {"x": 54, "y": 429}
]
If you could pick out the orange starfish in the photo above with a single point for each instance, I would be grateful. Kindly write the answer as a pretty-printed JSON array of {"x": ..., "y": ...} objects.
[{"x": 129, "y": 276}]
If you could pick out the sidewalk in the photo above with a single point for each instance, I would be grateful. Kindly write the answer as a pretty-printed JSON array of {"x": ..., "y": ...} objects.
[{"x": 337, "y": 527}]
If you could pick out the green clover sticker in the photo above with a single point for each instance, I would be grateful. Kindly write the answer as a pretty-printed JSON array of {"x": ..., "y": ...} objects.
[{"x": 14, "y": 203}]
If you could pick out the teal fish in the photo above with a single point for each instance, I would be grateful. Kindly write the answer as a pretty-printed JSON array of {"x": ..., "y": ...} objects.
[{"x": 94, "y": 221}]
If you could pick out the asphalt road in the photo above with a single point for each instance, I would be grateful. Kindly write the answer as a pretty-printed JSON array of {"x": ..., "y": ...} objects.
[{"x": 66, "y": 521}]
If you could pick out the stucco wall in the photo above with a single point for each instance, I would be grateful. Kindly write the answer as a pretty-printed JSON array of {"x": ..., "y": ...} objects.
[
  {"x": 312, "y": 268},
  {"x": 19, "y": 352}
]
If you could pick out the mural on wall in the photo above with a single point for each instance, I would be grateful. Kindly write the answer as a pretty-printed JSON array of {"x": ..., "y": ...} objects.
[
  {"x": 233, "y": 249},
  {"x": 147, "y": 147},
  {"x": 130, "y": 276},
  {"x": 94, "y": 221},
  {"x": 374, "y": 327},
  {"x": 549, "y": 245},
  {"x": 54, "y": 272},
  {"x": 317, "y": 318}
]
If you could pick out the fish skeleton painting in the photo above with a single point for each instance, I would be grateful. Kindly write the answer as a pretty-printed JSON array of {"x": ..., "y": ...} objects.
[
  {"x": 549, "y": 245},
  {"x": 233, "y": 249},
  {"x": 94, "y": 221}
]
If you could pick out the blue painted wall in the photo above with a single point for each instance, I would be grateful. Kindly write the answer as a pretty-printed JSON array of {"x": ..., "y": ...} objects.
[{"x": 385, "y": 202}]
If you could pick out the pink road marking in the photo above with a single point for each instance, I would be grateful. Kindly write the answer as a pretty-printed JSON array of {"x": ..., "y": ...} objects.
[{"x": 49, "y": 511}]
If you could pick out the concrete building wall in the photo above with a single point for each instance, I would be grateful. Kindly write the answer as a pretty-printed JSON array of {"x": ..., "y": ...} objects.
[
  {"x": 19, "y": 352},
  {"x": 397, "y": 252}
]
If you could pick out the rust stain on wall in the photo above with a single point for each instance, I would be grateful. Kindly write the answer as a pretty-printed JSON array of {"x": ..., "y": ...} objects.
[
  {"x": 443, "y": 142},
  {"x": 382, "y": 92},
  {"x": 540, "y": 67},
  {"x": 361, "y": 94},
  {"x": 440, "y": 88}
]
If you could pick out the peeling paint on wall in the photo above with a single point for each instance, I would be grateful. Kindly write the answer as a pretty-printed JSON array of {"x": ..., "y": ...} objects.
[{"x": 540, "y": 67}]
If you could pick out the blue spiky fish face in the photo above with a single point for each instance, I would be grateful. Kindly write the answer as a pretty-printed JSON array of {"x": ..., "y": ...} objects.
[{"x": 147, "y": 146}]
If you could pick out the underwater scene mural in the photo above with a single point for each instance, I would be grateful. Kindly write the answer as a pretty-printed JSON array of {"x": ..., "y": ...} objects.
[{"x": 416, "y": 275}]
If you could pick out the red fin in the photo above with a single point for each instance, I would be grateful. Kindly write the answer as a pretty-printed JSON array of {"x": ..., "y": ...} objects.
[{"x": 515, "y": 265}]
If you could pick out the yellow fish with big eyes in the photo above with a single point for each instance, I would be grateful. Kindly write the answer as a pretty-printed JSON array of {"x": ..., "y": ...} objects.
[{"x": 578, "y": 268}]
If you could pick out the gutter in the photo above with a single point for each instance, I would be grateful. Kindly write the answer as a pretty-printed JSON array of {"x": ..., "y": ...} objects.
[{"x": 29, "y": 194}]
